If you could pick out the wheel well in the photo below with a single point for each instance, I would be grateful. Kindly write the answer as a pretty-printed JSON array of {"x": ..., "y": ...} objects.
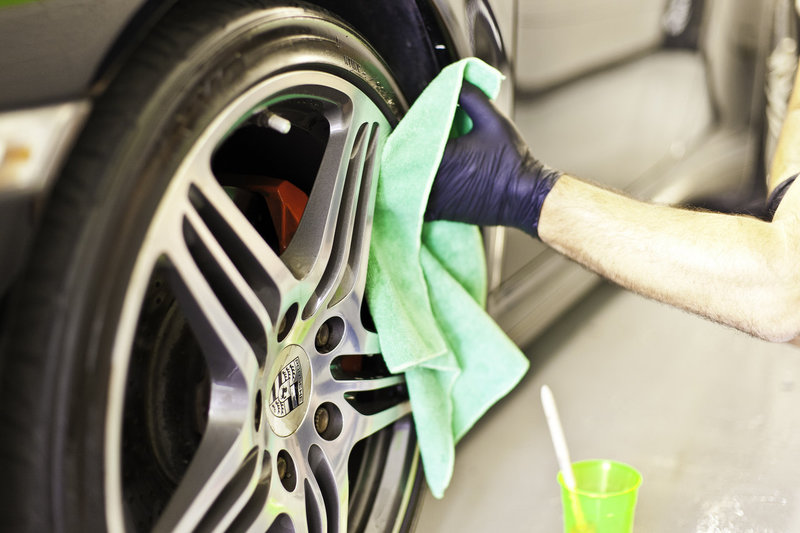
[{"x": 405, "y": 33}]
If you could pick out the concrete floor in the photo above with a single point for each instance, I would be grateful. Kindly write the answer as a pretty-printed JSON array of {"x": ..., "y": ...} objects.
[{"x": 710, "y": 417}]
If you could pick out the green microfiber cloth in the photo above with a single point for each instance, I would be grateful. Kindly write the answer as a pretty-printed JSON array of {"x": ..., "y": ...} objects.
[{"x": 426, "y": 282}]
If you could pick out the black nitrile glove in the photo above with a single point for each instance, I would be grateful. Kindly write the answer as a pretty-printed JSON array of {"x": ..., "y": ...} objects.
[
  {"x": 488, "y": 177},
  {"x": 775, "y": 198}
]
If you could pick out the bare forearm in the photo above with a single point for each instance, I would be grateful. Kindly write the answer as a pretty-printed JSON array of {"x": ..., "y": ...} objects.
[
  {"x": 736, "y": 270},
  {"x": 786, "y": 160},
  {"x": 720, "y": 266}
]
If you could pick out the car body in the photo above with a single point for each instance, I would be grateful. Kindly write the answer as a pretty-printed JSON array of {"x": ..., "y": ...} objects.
[{"x": 291, "y": 423}]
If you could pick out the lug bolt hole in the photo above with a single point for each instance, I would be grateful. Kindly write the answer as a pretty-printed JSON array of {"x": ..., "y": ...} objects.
[
  {"x": 322, "y": 420},
  {"x": 328, "y": 421},
  {"x": 286, "y": 323},
  {"x": 286, "y": 470},
  {"x": 258, "y": 409},
  {"x": 329, "y": 335}
]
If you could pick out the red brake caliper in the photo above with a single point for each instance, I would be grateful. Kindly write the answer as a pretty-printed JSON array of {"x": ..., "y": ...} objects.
[{"x": 286, "y": 205}]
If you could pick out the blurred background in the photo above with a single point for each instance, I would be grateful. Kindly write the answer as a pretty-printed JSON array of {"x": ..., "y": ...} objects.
[
  {"x": 676, "y": 101},
  {"x": 666, "y": 99}
]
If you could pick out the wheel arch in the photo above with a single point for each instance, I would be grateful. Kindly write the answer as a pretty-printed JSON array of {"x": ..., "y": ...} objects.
[{"x": 416, "y": 38}]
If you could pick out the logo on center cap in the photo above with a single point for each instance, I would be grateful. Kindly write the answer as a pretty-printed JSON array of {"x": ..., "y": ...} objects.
[{"x": 287, "y": 389}]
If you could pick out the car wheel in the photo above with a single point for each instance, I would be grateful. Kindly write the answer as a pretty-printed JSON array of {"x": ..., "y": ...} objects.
[{"x": 190, "y": 348}]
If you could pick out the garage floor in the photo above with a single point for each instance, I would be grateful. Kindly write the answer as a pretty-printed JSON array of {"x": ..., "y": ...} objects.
[{"x": 709, "y": 416}]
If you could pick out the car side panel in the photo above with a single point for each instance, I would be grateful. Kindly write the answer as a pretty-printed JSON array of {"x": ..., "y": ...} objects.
[{"x": 51, "y": 50}]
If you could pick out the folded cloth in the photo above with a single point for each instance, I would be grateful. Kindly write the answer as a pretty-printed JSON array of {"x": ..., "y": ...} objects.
[{"x": 426, "y": 283}]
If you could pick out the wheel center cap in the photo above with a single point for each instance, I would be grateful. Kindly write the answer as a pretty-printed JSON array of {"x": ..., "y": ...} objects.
[{"x": 290, "y": 388}]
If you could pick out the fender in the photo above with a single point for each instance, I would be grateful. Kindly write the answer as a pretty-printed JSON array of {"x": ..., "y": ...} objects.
[{"x": 62, "y": 50}]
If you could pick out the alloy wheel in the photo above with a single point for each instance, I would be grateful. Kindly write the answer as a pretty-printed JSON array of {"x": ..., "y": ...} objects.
[{"x": 247, "y": 393}]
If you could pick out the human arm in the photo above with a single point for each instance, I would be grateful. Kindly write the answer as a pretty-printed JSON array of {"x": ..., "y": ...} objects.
[
  {"x": 736, "y": 270},
  {"x": 786, "y": 160}
]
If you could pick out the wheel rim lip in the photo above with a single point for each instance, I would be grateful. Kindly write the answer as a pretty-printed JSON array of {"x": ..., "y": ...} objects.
[{"x": 199, "y": 155}]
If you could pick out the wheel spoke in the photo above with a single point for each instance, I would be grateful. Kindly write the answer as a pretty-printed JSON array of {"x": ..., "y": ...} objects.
[
  {"x": 240, "y": 492},
  {"x": 254, "y": 514},
  {"x": 262, "y": 269},
  {"x": 227, "y": 351},
  {"x": 367, "y": 425},
  {"x": 218, "y": 459},
  {"x": 335, "y": 268},
  {"x": 361, "y": 385},
  {"x": 261, "y": 522},
  {"x": 262, "y": 513},
  {"x": 354, "y": 273},
  {"x": 401, "y": 463},
  {"x": 308, "y": 252},
  {"x": 317, "y": 521},
  {"x": 294, "y": 509},
  {"x": 331, "y": 474},
  {"x": 272, "y": 506},
  {"x": 370, "y": 342},
  {"x": 335, "y": 217},
  {"x": 238, "y": 298}
]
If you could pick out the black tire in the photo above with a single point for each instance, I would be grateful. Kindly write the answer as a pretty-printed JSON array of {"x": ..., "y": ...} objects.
[{"x": 66, "y": 315}]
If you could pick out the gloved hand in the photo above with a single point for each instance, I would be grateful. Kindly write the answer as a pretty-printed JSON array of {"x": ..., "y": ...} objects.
[
  {"x": 488, "y": 176},
  {"x": 777, "y": 195}
]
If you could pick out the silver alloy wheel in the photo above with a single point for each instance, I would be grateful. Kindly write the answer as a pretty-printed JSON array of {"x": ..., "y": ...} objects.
[{"x": 279, "y": 424}]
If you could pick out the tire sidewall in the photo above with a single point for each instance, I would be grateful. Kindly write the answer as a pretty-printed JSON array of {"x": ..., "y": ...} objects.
[{"x": 139, "y": 133}]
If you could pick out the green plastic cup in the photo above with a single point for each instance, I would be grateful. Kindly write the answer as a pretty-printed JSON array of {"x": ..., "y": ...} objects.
[{"x": 604, "y": 498}]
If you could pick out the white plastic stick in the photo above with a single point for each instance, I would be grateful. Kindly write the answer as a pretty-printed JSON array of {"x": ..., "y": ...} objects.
[
  {"x": 557, "y": 435},
  {"x": 562, "y": 455}
]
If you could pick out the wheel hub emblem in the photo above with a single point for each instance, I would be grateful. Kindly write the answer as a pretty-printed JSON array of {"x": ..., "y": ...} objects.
[
  {"x": 290, "y": 387},
  {"x": 287, "y": 389}
]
